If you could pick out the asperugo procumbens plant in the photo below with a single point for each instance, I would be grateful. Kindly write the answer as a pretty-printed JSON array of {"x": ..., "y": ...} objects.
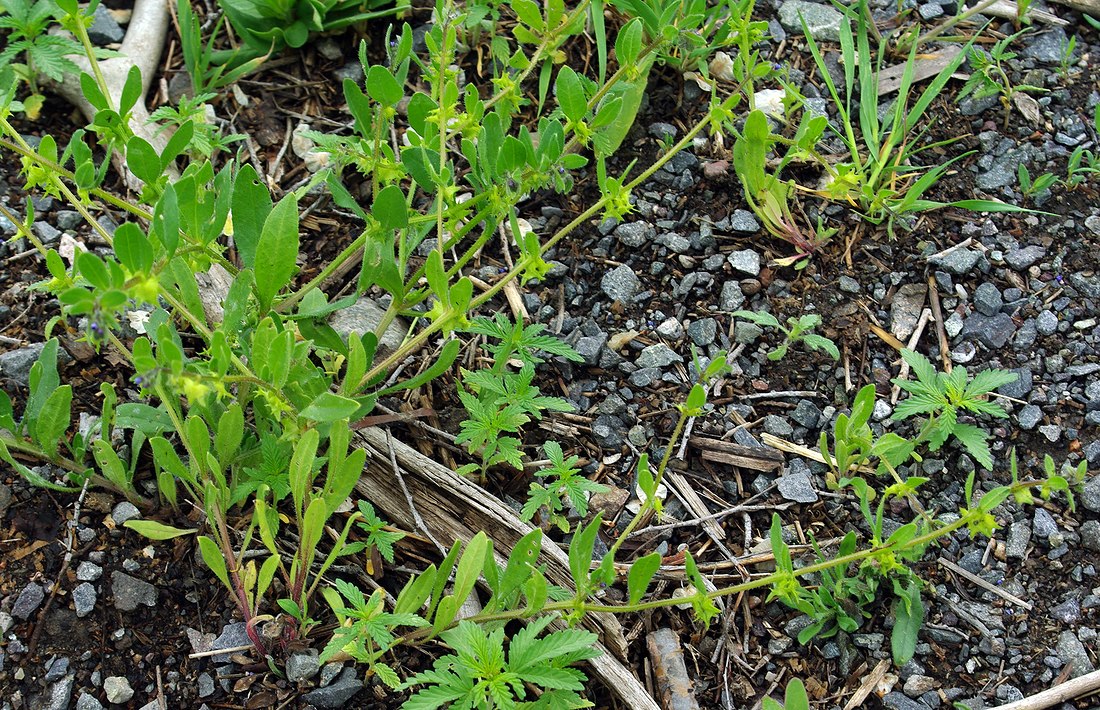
[{"x": 245, "y": 409}]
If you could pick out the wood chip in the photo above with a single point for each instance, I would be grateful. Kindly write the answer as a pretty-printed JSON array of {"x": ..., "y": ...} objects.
[
  {"x": 750, "y": 457},
  {"x": 926, "y": 66}
]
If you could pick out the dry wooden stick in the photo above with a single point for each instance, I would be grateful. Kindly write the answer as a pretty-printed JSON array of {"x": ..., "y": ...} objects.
[
  {"x": 1050, "y": 697},
  {"x": 868, "y": 684},
  {"x": 937, "y": 314},
  {"x": 454, "y": 508},
  {"x": 673, "y": 683},
  {"x": 984, "y": 584}
]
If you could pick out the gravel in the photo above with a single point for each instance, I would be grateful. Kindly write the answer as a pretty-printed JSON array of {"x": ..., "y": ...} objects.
[
  {"x": 28, "y": 601},
  {"x": 658, "y": 356},
  {"x": 1074, "y": 654},
  {"x": 104, "y": 28},
  {"x": 822, "y": 21},
  {"x": 797, "y": 487},
  {"x": 336, "y": 694},
  {"x": 130, "y": 592},
  {"x": 84, "y": 598},
  {"x": 125, "y": 511},
  {"x": 302, "y": 666},
  {"x": 621, "y": 283},
  {"x": 118, "y": 689},
  {"x": 745, "y": 261},
  {"x": 15, "y": 365}
]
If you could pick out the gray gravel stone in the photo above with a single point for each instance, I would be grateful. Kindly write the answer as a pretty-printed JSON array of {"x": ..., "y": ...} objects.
[
  {"x": 88, "y": 702},
  {"x": 899, "y": 701},
  {"x": 125, "y": 511},
  {"x": 118, "y": 689},
  {"x": 302, "y": 666},
  {"x": 1073, "y": 653},
  {"x": 634, "y": 234},
  {"x": 1052, "y": 432},
  {"x": 849, "y": 285},
  {"x": 1020, "y": 259},
  {"x": 1047, "y": 46},
  {"x": 130, "y": 592},
  {"x": 621, "y": 283},
  {"x": 57, "y": 670},
  {"x": 991, "y": 331},
  {"x": 731, "y": 298},
  {"x": 340, "y": 691},
  {"x": 84, "y": 596},
  {"x": 88, "y": 571},
  {"x": 16, "y": 364},
  {"x": 777, "y": 426},
  {"x": 659, "y": 355},
  {"x": 1029, "y": 416},
  {"x": 806, "y": 414},
  {"x": 1043, "y": 524},
  {"x": 958, "y": 262},
  {"x": 104, "y": 29},
  {"x": 822, "y": 21},
  {"x": 1090, "y": 535},
  {"x": 744, "y": 221},
  {"x": 608, "y": 431},
  {"x": 1090, "y": 494},
  {"x": 206, "y": 685},
  {"x": 232, "y": 636},
  {"x": 917, "y": 685},
  {"x": 745, "y": 261},
  {"x": 797, "y": 487},
  {"x": 1046, "y": 323},
  {"x": 364, "y": 316},
  {"x": 988, "y": 300},
  {"x": 703, "y": 331},
  {"x": 57, "y": 695},
  {"x": 670, "y": 328},
  {"x": 1068, "y": 612},
  {"x": 591, "y": 347},
  {"x": 1021, "y": 386},
  {"x": 28, "y": 601},
  {"x": 1019, "y": 535}
]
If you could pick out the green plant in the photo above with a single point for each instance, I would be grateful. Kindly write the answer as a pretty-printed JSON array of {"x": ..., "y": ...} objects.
[
  {"x": 797, "y": 330},
  {"x": 943, "y": 396},
  {"x": 266, "y": 26},
  {"x": 1083, "y": 162},
  {"x": 767, "y": 195},
  {"x": 989, "y": 77},
  {"x": 208, "y": 68},
  {"x": 499, "y": 401},
  {"x": 379, "y": 538},
  {"x": 42, "y": 53},
  {"x": 206, "y": 138},
  {"x": 563, "y": 483},
  {"x": 794, "y": 698},
  {"x": 879, "y": 176},
  {"x": 481, "y": 673},
  {"x": 1032, "y": 188}
]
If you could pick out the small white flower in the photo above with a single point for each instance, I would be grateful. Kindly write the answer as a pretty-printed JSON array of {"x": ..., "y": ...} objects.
[
  {"x": 721, "y": 67},
  {"x": 138, "y": 319},
  {"x": 770, "y": 101}
]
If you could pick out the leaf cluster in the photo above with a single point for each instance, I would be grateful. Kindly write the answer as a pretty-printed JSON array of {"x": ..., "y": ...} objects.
[
  {"x": 564, "y": 483},
  {"x": 797, "y": 330}
]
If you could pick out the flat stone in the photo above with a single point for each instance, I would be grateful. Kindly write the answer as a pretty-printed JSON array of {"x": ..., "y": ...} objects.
[
  {"x": 591, "y": 347},
  {"x": 670, "y": 328},
  {"x": 88, "y": 571},
  {"x": 991, "y": 331},
  {"x": 1073, "y": 653},
  {"x": 104, "y": 29},
  {"x": 1090, "y": 494},
  {"x": 1020, "y": 259},
  {"x": 340, "y": 691},
  {"x": 822, "y": 21},
  {"x": 118, "y": 689},
  {"x": 806, "y": 414},
  {"x": 130, "y": 592},
  {"x": 1068, "y": 612},
  {"x": 28, "y": 601},
  {"x": 703, "y": 331},
  {"x": 621, "y": 283},
  {"x": 797, "y": 487},
  {"x": 745, "y": 261},
  {"x": 1043, "y": 524},
  {"x": 905, "y": 310},
  {"x": 899, "y": 701},
  {"x": 84, "y": 597},
  {"x": 917, "y": 685},
  {"x": 959, "y": 261},
  {"x": 15, "y": 365},
  {"x": 1047, "y": 46},
  {"x": 88, "y": 702},
  {"x": 302, "y": 666},
  {"x": 608, "y": 431},
  {"x": 206, "y": 685},
  {"x": 364, "y": 316},
  {"x": 1019, "y": 535},
  {"x": 731, "y": 298},
  {"x": 125, "y": 511},
  {"x": 634, "y": 234},
  {"x": 233, "y": 635},
  {"x": 58, "y": 694},
  {"x": 988, "y": 300},
  {"x": 659, "y": 355},
  {"x": 744, "y": 221},
  {"x": 1090, "y": 535},
  {"x": 58, "y": 670},
  {"x": 1029, "y": 417}
]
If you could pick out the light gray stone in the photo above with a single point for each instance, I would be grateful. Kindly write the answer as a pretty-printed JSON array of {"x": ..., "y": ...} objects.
[
  {"x": 745, "y": 261},
  {"x": 364, "y": 316},
  {"x": 1074, "y": 654},
  {"x": 822, "y": 21},
  {"x": 621, "y": 283},
  {"x": 340, "y": 691},
  {"x": 130, "y": 592},
  {"x": 659, "y": 355},
  {"x": 84, "y": 597},
  {"x": 302, "y": 666},
  {"x": 104, "y": 28},
  {"x": 117, "y": 689},
  {"x": 28, "y": 601},
  {"x": 124, "y": 511}
]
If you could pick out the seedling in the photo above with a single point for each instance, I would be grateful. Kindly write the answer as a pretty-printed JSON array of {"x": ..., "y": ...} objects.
[{"x": 797, "y": 330}]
